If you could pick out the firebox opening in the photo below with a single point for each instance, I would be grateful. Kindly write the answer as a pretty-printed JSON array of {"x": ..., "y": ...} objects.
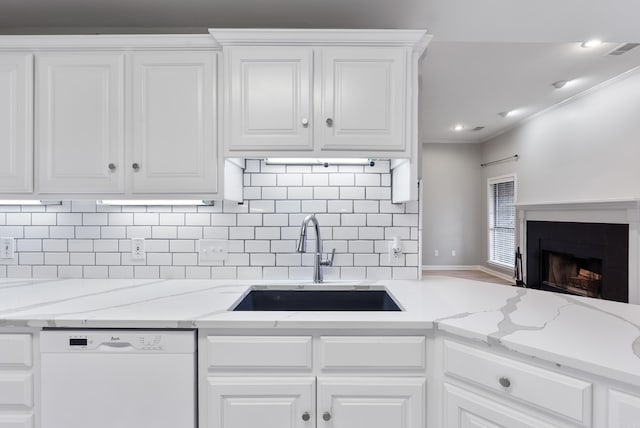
[{"x": 567, "y": 273}]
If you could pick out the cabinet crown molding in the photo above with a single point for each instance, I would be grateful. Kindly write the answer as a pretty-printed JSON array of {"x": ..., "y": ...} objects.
[
  {"x": 102, "y": 42},
  {"x": 417, "y": 39}
]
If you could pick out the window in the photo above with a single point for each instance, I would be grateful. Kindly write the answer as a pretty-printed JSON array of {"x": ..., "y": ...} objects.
[{"x": 502, "y": 220}]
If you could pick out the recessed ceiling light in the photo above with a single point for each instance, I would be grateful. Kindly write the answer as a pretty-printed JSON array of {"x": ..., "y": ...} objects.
[
  {"x": 459, "y": 127},
  {"x": 591, "y": 43},
  {"x": 560, "y": 84},
  {"x": 508, "y": 113}
]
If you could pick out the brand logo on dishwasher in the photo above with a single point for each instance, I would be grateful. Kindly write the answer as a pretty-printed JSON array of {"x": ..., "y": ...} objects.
[{"x": 115, "y": 338}]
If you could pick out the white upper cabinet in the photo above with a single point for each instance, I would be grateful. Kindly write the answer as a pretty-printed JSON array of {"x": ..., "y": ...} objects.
[
  {"x": 16, "y": 123},
  {"x": 173, "y": 145},
  {"x": 330, "y": 93},
  {"x": 363, "y": 99},
  {"x": 269, "y": 90},
  {"x": 80, "y": 122}
]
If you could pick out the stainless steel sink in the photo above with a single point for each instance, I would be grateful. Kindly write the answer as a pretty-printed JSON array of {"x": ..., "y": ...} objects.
[{"x": 317, "y": 298}]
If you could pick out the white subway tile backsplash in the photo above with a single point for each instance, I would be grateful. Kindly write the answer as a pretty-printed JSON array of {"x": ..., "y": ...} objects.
[
  {"x": 54, "y": 245},
  {"x": 288, "y": 206},
  {"x": 14, "y": 219},
  {"x": 340, "y": 206},
  {"x": 300, "y": 193},
  {"x": 62, "y": 232},
  {"x": 80, "y": 245},
  {"x": 352, "y": 193},
  {"x": 326, "y": 193},
  {"x": 121, "y": 272},
  {"x": 352, "y": 203},
  {"x": 155, "y": 232},
  {"x": 56, "y": 258},
  {"x": 82, "y": 259},
  {"x": 97, "y": 272},
  {"x": 43, "y": 219}
]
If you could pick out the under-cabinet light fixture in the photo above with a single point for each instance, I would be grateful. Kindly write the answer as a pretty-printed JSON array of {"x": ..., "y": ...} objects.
[
  {"x": 155, "y": 202},
  {"x": 318, "y": 161},
  {"x": 28, "y": 202},
  {"x": 560, "y": 84},
  {"x": 507, "y": 113},
  {"x": 458, "y": 127}
]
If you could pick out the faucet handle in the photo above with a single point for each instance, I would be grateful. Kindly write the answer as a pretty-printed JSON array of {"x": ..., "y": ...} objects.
[{"x": 328, "y": 262}]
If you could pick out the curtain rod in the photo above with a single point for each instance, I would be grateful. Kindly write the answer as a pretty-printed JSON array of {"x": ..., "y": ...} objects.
[{"x": 499, "y": 160}]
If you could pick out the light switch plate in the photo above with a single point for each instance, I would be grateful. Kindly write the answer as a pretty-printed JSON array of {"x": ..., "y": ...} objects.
[
  {"x": 7, "y": 248},
  {"x": 212, "y": 250}
]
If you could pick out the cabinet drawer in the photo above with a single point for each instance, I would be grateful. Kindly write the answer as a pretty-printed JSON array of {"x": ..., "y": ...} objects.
[
  {"x": 373, "y": 352},
  {"x": 552, "y": 391},
  {"x": 16, "y": 349},
  {"x": 269, "y": 352},
  {"x": 624, "y": 409},
  {"x": 16, "y": 389},
  {"x": 16, "y": 421}
]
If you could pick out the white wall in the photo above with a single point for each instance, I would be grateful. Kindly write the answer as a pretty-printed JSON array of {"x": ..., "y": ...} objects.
[
  {"x": 587, "y": 149},
  {"x": 452, "y": 191}
]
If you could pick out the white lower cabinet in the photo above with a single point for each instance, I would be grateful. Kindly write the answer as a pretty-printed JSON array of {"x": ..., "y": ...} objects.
[
  {"x": 16, "y": 381},
  {"x": 623, "y": 410},
  {"x": 314, "y": 382},
  {"x": 261, "y": 402},
  {"x": 466, "y": 409},
  {"x": 375, "y": 402}
]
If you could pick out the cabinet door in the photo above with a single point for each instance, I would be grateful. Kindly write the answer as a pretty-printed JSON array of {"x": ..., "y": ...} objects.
[
  {"x": 624, "y": 410},
  {"x": 173, "y": 143},
  {"x": 80, "y": 117},
  {"x": 465, "y": 409},
  {"x": 364, "y": 99},
  {"x": 261, "y": 402},
  {"x": 16, "y": 123},
  {"x": 371, "y": 403},
  {"x": 269, "y": 98}
]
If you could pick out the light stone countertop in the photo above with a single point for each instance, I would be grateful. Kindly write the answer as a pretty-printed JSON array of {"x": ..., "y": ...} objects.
[{"x": 596, "y": 336}]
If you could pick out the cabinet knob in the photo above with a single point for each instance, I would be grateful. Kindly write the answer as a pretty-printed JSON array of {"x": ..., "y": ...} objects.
[
  {"x": 306, "y": 416},
  {"x": 329, "y": 122},
  {"x": 135, "y": 166},
  {"x": 504, "y": 382},
  {"x": 305, "y": 122},
  {"x": 326, "y": 416},
  {"x": 112, "y": 167}
]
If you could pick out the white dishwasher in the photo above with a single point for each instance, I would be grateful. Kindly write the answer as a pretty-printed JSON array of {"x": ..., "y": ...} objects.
[{"x": 118, "y": 379}]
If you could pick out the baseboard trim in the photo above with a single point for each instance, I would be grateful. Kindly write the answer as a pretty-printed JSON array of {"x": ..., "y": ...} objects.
[{"x": 481, "y": 268}]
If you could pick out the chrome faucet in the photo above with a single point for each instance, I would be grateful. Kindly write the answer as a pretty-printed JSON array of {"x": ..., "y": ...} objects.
[{"x": 302, "y": 247}]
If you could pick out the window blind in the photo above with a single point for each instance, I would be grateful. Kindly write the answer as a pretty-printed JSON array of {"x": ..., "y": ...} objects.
[{"x": 502, "y": 219}]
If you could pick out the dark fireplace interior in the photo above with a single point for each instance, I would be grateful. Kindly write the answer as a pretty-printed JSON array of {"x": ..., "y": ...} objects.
[{"x": 584, "y": 259}]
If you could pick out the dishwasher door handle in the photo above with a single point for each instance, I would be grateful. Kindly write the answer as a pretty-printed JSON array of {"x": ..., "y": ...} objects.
[{"x": 114, "y": 346}]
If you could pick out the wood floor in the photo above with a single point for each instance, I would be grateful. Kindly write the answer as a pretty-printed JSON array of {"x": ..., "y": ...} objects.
[{"x": 475, "y": 275}]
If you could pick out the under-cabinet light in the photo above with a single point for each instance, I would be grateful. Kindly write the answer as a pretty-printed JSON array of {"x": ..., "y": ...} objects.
[
  {"x": 28, "y": 202},
  {"x": 155, "y": 202},
  {"x": 318, "y": 161}
]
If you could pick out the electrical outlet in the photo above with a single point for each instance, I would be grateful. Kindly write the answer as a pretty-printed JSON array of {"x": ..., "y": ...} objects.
[
  {"x": 212, "y": 250},
  {"x": 137, "y": 249},
  {"x": 453, "y": 253},
  {"x": 7, "y": 248},
  {"x": 436, "y": 253},
  {"x": 395, "y": 248}
]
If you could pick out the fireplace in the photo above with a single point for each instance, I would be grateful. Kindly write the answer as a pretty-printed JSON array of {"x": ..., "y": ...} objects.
[{"x": 584, "y": 259}]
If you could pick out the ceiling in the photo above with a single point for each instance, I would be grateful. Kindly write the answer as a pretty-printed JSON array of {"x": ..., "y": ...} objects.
[{"x": 487, "y": 56}]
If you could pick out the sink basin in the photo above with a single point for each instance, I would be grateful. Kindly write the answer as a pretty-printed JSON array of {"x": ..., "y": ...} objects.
[{"x": 316, "y": 299}]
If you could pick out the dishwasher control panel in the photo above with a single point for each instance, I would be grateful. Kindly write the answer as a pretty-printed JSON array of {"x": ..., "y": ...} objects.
[{"x": 117, "y": 341}]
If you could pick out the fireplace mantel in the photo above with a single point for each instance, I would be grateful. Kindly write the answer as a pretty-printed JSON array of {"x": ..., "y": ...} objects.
[{"x": 617, "y": 211}]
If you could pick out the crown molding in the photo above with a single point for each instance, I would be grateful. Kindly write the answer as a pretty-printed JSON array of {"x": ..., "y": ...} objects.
[
  {"x": 108, "y": 42},
  {"x": 415, "y": 39}
]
